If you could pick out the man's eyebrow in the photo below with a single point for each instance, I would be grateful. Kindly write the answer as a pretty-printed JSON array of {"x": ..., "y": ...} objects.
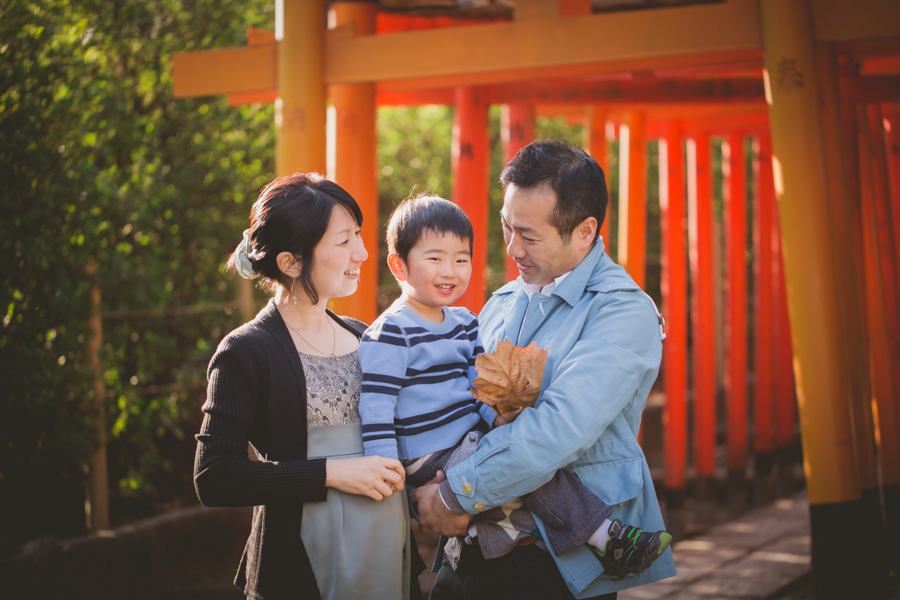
[{"x": 519, "y": 228}]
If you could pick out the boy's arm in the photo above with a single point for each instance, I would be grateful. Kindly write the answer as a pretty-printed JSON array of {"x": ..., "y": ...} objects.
[
  {"x": 383, "y": 356},
  {"x": 487, "y": 413}
]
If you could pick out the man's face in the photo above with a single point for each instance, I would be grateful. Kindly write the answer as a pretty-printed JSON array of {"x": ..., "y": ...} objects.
[{"x": 535, "y": 244}]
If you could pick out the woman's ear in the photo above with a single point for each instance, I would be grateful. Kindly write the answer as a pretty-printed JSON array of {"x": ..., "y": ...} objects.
[
  {"x": 288, "y": 264},
  {"x": 397, "y": 267}
]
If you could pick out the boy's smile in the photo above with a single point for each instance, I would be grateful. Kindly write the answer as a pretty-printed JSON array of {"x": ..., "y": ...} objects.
[{"x": 435, "y": 274}]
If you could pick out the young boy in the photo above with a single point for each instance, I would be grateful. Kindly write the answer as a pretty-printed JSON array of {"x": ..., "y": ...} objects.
[{"x": 418, "y": 362}]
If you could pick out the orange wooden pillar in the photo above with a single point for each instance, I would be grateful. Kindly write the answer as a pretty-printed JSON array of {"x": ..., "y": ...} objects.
[
  {"x": 736, "y": 347},
  {"x": 517, "y": 131},
  {"x": 632, "y": 239},
  {"x": 822, "y": 376},
  {"x": 470, "y": 182},
  {"x": 764, "y": 323},
  {"x": 355, "y": 160},
  {"x": 674, "y": 306},
  {"x": 300, "y": 105},
  {"x": 596, "y": 145},
  {"x": 700, "y": 235}
]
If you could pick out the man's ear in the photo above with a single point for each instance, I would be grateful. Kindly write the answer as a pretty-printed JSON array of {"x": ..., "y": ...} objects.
[
  {"x": 586, "y": 232},
  {"x": 289, "y": 264},
  {"x": 397, "y": 266}
]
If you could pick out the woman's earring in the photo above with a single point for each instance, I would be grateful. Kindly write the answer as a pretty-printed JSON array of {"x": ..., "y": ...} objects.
[{"x": 293, "y": 295}]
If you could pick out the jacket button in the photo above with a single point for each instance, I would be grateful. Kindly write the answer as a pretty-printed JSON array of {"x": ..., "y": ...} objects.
[
  {"x": 467, "y": 488},
  {"x": 479, "y": 506}
]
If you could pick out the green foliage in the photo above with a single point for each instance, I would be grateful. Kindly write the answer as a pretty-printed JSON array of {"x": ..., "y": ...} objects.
[{"x": 100, "y": 165}]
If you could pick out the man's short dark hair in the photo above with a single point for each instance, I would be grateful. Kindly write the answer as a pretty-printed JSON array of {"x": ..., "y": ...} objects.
[
  {"x": 424, "y": 214},
  {"x": 577, "y": 179}
]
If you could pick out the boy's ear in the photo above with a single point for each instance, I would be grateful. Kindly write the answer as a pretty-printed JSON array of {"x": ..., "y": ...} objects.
[{"x": 397, "y": 266}]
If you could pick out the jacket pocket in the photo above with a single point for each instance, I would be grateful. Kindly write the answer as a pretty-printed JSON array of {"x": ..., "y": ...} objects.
[{"x": 613, "y": 482}]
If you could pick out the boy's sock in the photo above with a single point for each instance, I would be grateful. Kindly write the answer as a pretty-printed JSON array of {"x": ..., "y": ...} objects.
[{"x": 599, "y": 538}]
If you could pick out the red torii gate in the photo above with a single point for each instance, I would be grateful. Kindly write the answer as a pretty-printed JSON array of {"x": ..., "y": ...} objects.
[{"x": 557, "y": 39}]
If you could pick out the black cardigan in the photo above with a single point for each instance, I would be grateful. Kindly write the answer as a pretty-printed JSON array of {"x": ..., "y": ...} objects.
[{"x": 256, "y": 394}]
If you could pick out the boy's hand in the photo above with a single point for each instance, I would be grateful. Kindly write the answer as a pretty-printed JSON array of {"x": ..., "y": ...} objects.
[{"x": 499, "y": 421}]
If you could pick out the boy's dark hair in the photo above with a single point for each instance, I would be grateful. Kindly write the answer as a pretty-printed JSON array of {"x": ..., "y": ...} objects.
[
  {"x": 291, "y": 215},
  {"x": 577, "y": 179},
  {"x": 414, "y": 217}
]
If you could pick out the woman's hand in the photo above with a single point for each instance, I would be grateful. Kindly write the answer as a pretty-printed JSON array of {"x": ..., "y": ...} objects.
[{"x": 374, "y": 476}]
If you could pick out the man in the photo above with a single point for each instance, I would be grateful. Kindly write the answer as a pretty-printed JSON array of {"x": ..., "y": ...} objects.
[{"x": 604, "y": 337}]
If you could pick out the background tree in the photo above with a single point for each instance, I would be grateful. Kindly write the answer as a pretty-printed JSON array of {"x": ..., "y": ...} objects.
[{"x": 99, "y": 164}]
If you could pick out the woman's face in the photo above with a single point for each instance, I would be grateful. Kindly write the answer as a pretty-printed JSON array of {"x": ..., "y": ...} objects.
[{"x": 338, "y": 256}]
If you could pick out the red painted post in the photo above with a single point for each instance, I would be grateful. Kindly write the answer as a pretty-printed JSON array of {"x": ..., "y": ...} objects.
[
  {"x": 736, "y": 257},
  {"x": 596, "y": 145},
  {"x": 764, "y": 323},
  {"x": 880, "y": 305},
  {"x": 784, "y": 363},
  {"x": 674, "y": 306},
  {"x": 355, "y": 152},
  {"x": 700, "y": 234},
  {"x": 470, "y": 185},
  {"x": 892, "y": 132},
  {"x": 632, "y": 238},
  {"x": 517, "y": 130},
  {"x": 887, "y": 243}
]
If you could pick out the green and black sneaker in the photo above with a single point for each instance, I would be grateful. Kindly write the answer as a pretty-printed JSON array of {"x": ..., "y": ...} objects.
[{"x": 631, "y": 550}]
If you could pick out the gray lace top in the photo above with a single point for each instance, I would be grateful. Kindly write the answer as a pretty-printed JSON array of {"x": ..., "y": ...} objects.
[{"x": 332, "y": 389}]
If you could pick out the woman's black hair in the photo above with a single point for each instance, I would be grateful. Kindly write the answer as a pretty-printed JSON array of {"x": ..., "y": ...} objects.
[{"x": 291, "y": 215}]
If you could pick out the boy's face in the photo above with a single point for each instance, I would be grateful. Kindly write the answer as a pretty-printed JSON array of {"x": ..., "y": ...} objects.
[{"x": 436, "y": 271}]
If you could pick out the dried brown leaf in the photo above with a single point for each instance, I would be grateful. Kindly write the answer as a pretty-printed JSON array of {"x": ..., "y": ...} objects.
[{"x": 509, "y": 379}]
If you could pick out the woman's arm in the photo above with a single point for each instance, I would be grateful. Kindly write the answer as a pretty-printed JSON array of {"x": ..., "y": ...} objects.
[{"x": 223, "y": 473}]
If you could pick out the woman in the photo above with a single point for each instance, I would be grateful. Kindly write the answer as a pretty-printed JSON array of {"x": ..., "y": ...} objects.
[{"x": 327, "y": 520}]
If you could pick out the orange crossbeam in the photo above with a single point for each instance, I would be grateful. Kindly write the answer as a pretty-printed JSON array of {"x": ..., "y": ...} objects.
[{"x": 225, "y": 71}]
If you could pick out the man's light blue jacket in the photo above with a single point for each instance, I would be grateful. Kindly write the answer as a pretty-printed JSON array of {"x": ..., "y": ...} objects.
[{"x": 604, "y": 341}]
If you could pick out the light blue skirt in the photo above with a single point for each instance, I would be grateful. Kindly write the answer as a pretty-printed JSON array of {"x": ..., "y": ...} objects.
[{"x": 358, "y": 548}]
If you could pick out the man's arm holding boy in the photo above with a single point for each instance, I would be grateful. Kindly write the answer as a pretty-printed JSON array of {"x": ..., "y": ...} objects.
[{"x": 592, "y": 385}]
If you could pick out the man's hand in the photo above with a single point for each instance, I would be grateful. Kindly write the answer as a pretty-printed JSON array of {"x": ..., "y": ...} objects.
[{"x": 433, "y": 515}]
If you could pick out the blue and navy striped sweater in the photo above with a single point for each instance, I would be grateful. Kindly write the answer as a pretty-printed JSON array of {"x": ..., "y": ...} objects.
[{"x": 416, "y": 378}]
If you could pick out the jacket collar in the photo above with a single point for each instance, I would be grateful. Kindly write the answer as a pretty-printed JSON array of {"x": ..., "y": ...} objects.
[{"x": 574, "y": 285}]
